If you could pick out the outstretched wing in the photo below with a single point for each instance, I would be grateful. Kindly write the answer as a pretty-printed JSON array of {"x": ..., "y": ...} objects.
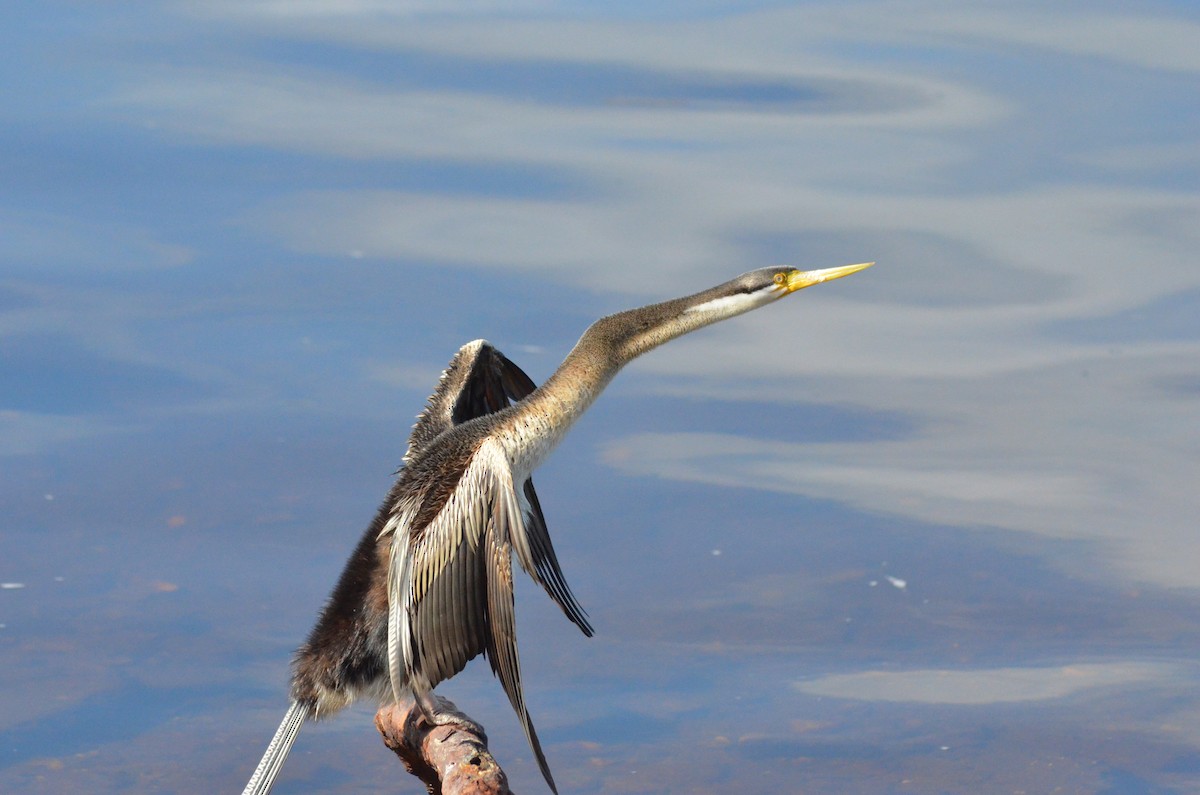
[
  {"x": 452, "y": 591},
  {"x": 479, "y": 380}
]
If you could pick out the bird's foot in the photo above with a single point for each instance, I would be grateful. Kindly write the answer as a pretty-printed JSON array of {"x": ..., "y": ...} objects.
[{"x": 437, "y": 711}]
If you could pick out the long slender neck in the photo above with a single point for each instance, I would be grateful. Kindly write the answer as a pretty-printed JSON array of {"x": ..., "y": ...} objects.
[
  {"x": 543, "y": 418},
  {"x": 611, "y": 343}
]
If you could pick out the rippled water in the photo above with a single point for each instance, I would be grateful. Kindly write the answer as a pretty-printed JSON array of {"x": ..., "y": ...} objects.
[{"x": 930, "y": 529}]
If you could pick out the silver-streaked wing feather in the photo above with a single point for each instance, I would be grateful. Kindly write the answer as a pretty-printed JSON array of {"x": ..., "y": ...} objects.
[
  {"x": 400, "y": 607},
  {"x": 436, "y": 584},
  {"x": 447, "y": 594},
  {"x": 451, "y": 596},
  {"x": 542, "y": 564},
  {"x": 503, "y": 529}
]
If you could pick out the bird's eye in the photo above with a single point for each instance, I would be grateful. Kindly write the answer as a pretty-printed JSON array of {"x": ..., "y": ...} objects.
[{"x": 781, "y": 279}]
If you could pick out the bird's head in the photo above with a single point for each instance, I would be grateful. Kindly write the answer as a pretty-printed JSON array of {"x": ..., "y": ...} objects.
[
  {"x": 764, "y": 285},
  {"x": 779, "y": 281}
]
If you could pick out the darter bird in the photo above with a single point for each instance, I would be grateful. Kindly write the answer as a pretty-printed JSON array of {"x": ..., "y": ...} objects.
[{"x": 430, "y": 585}]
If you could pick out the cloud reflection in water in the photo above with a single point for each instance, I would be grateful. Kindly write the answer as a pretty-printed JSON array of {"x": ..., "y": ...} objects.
[{"x": 241, "y": 238}]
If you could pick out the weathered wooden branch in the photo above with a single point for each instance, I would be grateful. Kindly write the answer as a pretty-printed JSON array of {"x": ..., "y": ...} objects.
[{"x": 452, "y": 758}]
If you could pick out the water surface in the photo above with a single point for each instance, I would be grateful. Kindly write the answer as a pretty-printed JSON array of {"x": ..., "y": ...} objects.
[{"x": 930, "y": 529}]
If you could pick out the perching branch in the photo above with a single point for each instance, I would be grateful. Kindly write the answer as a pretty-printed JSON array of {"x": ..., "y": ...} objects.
[{"x": 452, "y": 759}]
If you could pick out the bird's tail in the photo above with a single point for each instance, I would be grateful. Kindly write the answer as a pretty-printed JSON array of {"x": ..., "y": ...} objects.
[{"x": 272, "y": 761}]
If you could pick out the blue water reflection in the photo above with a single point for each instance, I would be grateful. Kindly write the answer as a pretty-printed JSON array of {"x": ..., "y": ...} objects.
[{"x": 930, "y": 529}]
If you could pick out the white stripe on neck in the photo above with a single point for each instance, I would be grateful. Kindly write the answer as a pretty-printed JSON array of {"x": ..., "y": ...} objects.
[{"x": 728, "y": 305}]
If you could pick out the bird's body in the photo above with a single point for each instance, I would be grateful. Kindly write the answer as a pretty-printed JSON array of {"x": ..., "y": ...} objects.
[{"x": 429, "y": 586}]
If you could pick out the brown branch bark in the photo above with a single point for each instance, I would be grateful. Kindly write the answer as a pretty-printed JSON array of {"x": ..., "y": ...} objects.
[{"x": 451, "y": 759}]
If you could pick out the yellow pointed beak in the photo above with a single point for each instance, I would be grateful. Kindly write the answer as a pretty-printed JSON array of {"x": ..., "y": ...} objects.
[{"x": 798, "y": 280}]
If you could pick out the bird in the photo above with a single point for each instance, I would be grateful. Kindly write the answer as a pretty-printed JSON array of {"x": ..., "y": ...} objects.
[{"x": 429, "y": 586}]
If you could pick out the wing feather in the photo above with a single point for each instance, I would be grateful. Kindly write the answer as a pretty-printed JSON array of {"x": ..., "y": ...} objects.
[
  {"x": 479, "y": 380},
  {"x": 445, "y": 574},
  {"x": 526, "y": 532},
  {"x": 542, "y": 564},
  {"x": 502, "y": 646},
  {"x": 450, "y": 588},
  {"x": 400, "y": 604}
]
